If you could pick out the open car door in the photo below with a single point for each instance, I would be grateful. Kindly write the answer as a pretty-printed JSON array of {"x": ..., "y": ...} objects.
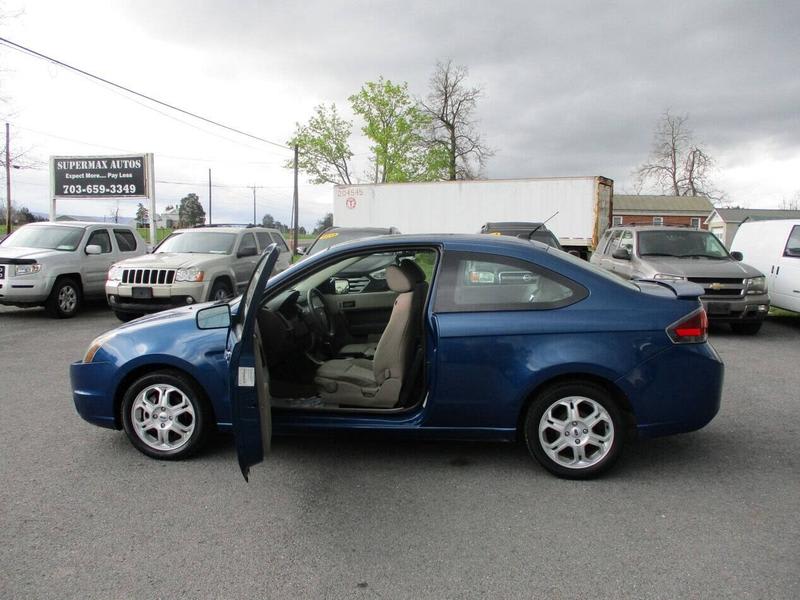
[{"x": 248, "y": 377}]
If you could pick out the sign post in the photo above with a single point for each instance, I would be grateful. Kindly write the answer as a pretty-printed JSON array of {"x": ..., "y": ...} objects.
[{"x": 104, "y": 178}]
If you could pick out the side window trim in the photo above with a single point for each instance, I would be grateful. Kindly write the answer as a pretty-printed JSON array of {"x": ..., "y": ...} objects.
[
  {"x": 794, "y": 234},
  {"x": 248, "y": 235}
]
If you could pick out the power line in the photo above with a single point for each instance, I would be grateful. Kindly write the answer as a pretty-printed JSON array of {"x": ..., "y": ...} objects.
[{"x": 36, "y": 54}]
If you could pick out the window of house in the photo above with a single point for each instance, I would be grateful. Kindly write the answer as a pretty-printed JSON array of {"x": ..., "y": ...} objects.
[
  {"x": 616, "y": 221},
  {"x": 126, "y": 241},
  {"x": 658, "y": 220},
  {"x": 695, "y": 222},
  {"x": 485, "y": 282}
]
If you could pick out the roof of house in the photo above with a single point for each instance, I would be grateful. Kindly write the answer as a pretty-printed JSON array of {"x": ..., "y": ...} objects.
[
  {"x": 739, "y": 215},
  {"x": 662, "y": 204}
]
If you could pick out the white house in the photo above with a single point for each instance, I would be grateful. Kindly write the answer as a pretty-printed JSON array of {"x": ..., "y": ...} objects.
[{"x": 723, "y": 222}]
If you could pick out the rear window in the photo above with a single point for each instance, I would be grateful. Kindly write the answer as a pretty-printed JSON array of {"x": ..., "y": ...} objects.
[
  {"x": 793, "y": 244},
  {"x": 126, "y": 241}
]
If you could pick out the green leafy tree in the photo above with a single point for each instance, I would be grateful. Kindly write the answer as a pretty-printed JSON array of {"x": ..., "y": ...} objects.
[
  {"x": 324, "y": 223},
  {"x": 324, "y": 147},
  {"x": 142, "y": 216},
  {"x": 268, "y": 221},
  {"x": 191, "y": 212},
  {"x": 395, "y": 125}
]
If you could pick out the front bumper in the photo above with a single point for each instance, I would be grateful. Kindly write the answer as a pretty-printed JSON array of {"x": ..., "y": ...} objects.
[
  {"x": 26, "y": 289},
  {"x": 746, "y": 308},
  {"x": 93, "y": 394},
  {"x": 120, "y": 296}
]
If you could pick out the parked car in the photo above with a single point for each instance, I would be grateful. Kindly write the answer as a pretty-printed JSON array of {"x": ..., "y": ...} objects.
[
  {"x": 58, "y": 265},
  {"x": 191, "y": 266},
  {"x": 735, "y": 292},
  {"x": 526, "y": 231},
  {"x": 487, "y": 337},
  {"x": 773, "y": 247},
  {"x": 337, "y": 235}
]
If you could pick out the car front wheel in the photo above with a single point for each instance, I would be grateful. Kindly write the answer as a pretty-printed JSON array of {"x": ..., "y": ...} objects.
[
  {"x": 64, "y": 300},
  {"x": 575, "y": 430},
  {"x": 219, "y": 292},
  {"x": 166, "y": 415}
]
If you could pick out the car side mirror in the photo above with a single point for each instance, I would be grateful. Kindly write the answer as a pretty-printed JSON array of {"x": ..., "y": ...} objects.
[
  {"x": 736, "y": 255},
  {"x": 301, "y": 250},
  {"x": 214, "y": 317},
  {"x": 622, "y": 254},
  {"x": 575, "y": 253},
  {"x": 341, "y": 286},
  {"x": 249, "y": 251},
  {"x": 93, "y": 249}
]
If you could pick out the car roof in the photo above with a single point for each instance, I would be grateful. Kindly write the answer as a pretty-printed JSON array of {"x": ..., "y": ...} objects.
[
  {"x": 77, "y": 224},
  {"x": 227, "y": 229},
  {"x": 656, "y": 228},
  {"x": 475, "y": 240},
  {"x": 377, "y": 230}
]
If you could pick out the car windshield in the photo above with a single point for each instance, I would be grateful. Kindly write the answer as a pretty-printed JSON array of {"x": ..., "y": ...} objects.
[
  {"x": 198, "y": 242},
  {"x": 681, "y": 244},
  {"x": 51, "y": 238},
  {"x": 605, "y": 274},
  {"x": 331, "y": 238}
]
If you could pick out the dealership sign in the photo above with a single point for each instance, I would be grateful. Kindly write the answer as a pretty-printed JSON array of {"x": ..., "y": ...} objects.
[{"x": 101, "y": 176}]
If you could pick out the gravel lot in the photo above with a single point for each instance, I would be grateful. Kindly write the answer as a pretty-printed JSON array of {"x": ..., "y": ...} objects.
[{"x": 84, "y": 515}]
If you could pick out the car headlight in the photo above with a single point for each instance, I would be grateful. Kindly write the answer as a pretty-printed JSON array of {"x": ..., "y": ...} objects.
[
  {"x": 27, "y": 269},
  {"x": 756, "y": 285},
  {"x": 189, "y": 275},
  {"x": 668, "y": 277},
  {"x": 115, "y": 273},
  {"x": 96, "y": 344}
]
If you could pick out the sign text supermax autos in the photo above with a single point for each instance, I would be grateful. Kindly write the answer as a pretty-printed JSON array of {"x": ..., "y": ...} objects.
[{"x": 99, "y": 177}]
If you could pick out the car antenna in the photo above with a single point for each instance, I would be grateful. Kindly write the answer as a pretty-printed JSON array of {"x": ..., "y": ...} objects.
[{"x": 540, "y": 225}]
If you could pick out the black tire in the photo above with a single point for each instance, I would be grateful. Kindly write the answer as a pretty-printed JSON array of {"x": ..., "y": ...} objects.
[
  {"x": 126, "y": 316},
  {"x": 201, "y": 418},
  {"x": 65, "y": 299},
  {"x": 749, "y": 328},
  {"x": 551, "y": 398},
  {"x": 221, "y": 290}
]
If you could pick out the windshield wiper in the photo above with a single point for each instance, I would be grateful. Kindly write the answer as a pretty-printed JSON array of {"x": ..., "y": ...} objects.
[
  {"x": 701, "y": 256},
  {"x": 656, "y": 254}
]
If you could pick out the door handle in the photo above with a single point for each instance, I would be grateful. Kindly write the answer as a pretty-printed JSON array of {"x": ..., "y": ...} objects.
[
  {"x": 772, "y": 269},
  {"x": 778, "y": 270}
]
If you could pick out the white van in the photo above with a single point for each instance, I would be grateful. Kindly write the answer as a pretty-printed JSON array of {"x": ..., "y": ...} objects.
[{"x": 773, "y": 247}]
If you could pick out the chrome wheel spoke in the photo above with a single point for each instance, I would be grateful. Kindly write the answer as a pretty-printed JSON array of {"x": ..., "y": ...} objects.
[{"x": 163, "y": 417}]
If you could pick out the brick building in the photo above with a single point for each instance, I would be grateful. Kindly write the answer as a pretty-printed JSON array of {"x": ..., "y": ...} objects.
[{"x": 687, "y": 211}]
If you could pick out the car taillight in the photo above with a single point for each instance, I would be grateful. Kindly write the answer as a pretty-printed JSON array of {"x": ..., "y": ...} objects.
[{"x": 691, "y": 329}]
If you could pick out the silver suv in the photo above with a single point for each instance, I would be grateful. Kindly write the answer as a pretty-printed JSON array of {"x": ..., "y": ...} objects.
[
  {"x": 735, "y": 293},
  {"x": 190, "y": 266},
  {"x": 58, "y": 264}
]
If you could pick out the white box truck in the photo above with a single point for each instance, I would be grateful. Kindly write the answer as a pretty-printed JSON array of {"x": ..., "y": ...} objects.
[{"x": 583, "y": 206}]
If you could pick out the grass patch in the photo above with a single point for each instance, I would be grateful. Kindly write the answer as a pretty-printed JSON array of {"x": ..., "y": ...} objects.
[{"x": 160, "y": 233}]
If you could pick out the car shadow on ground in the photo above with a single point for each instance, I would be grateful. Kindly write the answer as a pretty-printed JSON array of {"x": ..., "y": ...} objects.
[{"x": 89, "y": 308}]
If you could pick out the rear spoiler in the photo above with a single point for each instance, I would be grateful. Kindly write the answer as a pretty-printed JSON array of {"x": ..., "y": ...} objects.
[{"x": 681, "y": 288}]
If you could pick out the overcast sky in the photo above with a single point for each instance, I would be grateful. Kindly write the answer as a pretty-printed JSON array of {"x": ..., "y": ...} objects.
[{"x": 570, "y": 88}]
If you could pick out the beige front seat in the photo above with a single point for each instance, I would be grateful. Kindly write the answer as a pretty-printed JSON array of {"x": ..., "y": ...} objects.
[{"x": 377, "y": 382}]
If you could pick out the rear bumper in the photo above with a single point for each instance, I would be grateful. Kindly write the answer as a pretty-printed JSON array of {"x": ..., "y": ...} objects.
[
  {"x": 93, "y": 393},
  {"x": 676, "y": 391}
]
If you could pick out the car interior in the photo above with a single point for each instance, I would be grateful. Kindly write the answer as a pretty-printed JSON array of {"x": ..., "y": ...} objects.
[{"x": 350, "y": 335}]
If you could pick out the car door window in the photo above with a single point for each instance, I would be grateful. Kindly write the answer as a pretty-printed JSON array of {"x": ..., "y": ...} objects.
[
  {"x": 613, "y": 243},
  {"x": 793, "y": 243},
  {"x": 264, "y": 239},
  {"x": 474, "y": 283},
  {"x": 248, "y": 241},
  {"x": 626, "y": 241},
  {"x": 100, "y": 238},
  {"x": 126, "y": 241},
  {"x": 278, "y": 239}
]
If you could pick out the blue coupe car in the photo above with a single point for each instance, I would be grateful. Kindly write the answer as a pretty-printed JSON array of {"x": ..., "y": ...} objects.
[{"x": 446, "y": 337}]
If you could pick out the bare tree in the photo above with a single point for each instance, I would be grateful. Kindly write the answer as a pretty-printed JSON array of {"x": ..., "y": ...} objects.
[
  {"x": 451, "y": 105},
  {"x": 677, "y": 164},
  {"x": 791, "y": 203}
]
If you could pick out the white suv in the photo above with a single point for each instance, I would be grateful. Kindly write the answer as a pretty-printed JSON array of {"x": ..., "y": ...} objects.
[
  {"x": 58, "y": 264},
  {"x": 190, "y": 266}
]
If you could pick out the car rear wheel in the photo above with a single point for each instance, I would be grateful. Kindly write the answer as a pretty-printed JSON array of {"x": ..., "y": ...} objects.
[
  {"x": 64, "y": 300},
  {"x": 575, "y": 430},
  {"x": 166, "y": 415},
  {"x": 751, "y": 328}
]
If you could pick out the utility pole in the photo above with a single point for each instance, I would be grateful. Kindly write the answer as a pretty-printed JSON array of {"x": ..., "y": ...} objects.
[
  {"x": 8, "y": 180},
  {"x": 295, "y": 203},
  {"x": 209, "y": 196},
  {"x": 254, "y": 205}
]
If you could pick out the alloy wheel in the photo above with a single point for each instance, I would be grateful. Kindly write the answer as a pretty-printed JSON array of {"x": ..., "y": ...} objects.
[
  {"x": 67, "y": 299},
  {"x": 576, "y": 432},
  {"x": 163, "y": 417}
]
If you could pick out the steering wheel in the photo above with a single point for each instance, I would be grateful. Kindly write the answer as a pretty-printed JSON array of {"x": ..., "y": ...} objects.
[{"x": 320, "y": 319}]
